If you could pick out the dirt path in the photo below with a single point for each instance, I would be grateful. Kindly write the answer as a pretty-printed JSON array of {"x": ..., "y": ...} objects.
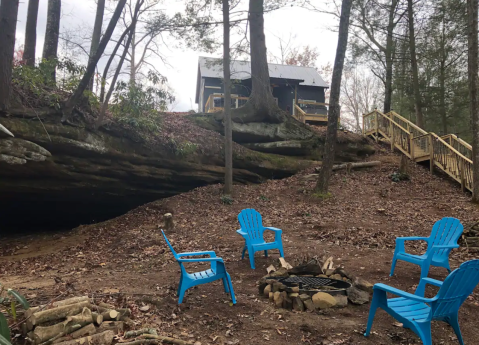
[{"x": 357, "y": 226}]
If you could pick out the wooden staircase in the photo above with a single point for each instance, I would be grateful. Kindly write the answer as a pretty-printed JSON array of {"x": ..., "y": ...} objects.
[{"x": 448, "y": 153}]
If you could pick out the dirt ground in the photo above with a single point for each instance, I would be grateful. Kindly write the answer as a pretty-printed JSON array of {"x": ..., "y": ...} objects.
[{"x": 357, "y": 226}]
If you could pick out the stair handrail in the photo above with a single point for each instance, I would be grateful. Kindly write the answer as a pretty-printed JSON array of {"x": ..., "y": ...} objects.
[
  {"x": 410, "y": 123},
  {"x": 450, "y": 147}
]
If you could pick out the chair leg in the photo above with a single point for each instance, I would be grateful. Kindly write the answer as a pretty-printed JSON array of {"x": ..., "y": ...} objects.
[
  {"x": 251, "y": 257},
  {"x": 393, "y": 266},
  {"x": 242, "y": 255},
  {"x": 281, "y": 251},
  {"x": 425, "y": 270},
  {"x": 372, "y": 313},
  {"x": 424, "y": 332},
  {"x": 179, "y": 287},
  {"x": 454, "y": 322},
  {"x": 225, "y": 285},
  {"x": 181, "y": 296},
  {"x": 232, "y": 293},
  {"x": 266, "y": 253}
]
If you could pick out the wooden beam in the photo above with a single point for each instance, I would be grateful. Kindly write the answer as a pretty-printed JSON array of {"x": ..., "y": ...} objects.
[{"x": 431, "y": 154}]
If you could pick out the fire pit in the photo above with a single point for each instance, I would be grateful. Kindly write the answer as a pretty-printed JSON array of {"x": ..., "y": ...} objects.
[{"x": 311, "y": 286}]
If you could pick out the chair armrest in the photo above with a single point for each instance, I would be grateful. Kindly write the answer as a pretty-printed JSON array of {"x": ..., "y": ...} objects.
[
  {"x": 201, "y": 260},
  {"x": 210, "y": 253},
  {"x": 401, "y": 293},
  {"x": 273, "y": 229},
  {"x": 242, "y": 233},
  {"x": 421, "y": 288},
  {"x": 449, "y": 246},
  {"x": 413, "y": 238}
]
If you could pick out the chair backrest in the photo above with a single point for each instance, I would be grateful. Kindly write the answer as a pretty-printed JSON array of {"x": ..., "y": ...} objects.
[
  {"x": 455, "y": 289},
  {"x": 169, "y": 245},
  {"x": 252, "y": 223},
  {"x": 445, "y": 231}
]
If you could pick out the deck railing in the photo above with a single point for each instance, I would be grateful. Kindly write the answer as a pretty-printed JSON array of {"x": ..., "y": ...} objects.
[
  {"x": 449, "y": 153},
  {"x": 216, "y": 102}
]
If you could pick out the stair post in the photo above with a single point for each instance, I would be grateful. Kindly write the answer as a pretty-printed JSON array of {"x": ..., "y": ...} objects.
[
  {"x": 411, "y": 145},
  {"x": 377, "y": 126},
  {"x": 391, "y": 132},
  {"x": 461, "y": 173},
  {"x": 431, "y": 154}
]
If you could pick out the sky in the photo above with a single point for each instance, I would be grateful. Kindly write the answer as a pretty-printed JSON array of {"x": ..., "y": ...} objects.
[{"x": 304, "y": 26}]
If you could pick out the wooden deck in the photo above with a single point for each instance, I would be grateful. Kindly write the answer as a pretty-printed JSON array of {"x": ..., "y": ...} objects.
[{"x": 448, "y": 153}]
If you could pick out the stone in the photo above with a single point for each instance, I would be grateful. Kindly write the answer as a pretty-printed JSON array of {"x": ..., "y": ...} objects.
[
  {"x": 267, "y": 290},
  {"x": 323, "y": 300},
  {"x": 357, "y": 296},
  {"x": 271, "y": 296},
  {"x": 341, "y": 301},
  {"x": 329, "y": 272},
  {"x": 298, "y": 304},
  {"x": 344, "y": 273},
  {"x": 293, "y": 295},
  {"x": 363, "y": 284},
  {"x": 287, "y": 303},
  {"x": 311, "y": 267},
  {"x": 308, "y": 303},
  {"x": 304, "y": 296},
  {"x": 282, "y": 272},
  {"x": 277, "y": 286},
  {"x": 295, "y": 289},
  {"x": 322, "y": 276},
  {"x": 262, "y": 285},
  {"x": 336, "y": 276},
  {"x": 278, "y": 301}
]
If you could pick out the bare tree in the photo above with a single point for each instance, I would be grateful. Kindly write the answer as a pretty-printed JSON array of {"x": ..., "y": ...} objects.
[
  {"x": 8, "y": 20},
  {"x": 75, "y": 97},
  {"x": 333, "y": 116},
  {"x": 31, "y": 33},
  {"x": 95, "y": 37},
  {"x": 415, "y": 72},
  {"x": 227, "y": 108},
  {"x": 472, "y": 12},
  {"x": 50, "y": 46}
]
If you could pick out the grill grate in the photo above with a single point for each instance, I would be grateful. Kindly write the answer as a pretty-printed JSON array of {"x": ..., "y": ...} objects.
[{"x": 311, "y": 281}]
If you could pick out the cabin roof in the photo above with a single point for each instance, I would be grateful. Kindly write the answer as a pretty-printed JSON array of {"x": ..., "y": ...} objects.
[{"x": 241, "y": 70}]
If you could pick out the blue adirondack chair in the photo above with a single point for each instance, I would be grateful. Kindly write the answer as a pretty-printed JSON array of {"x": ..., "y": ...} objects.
[
  {"x": 416, "y": 312},
  {"x": 443, "y": 239},
  {"x": 252, "y": 230},
  {"x": 217, "y": 271}
]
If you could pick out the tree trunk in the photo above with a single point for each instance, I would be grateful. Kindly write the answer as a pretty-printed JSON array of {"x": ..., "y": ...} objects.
[
  {"x": 31, "y": 33},
  {"x": 75, "y": 97},
  {"x": 56, "y": 313},
  {"x": 389, "y": 58},
  {"x": 472, "y": 67},
  {"x": 104, "y": 106},
  {"x": 328, "y": 158},
  {"x": 228, "y": 189},
  {"x": 110, "y": 60},
  {"x": 415, "y": 72},
  {"x": 442, "y": 79},
  {"x": 95, "y": 38},
  {"x": 50, "y": 46},
  {"x": 71, "y": 324},
  {"x": 261, "y": 106},
  {"x": 132, "y": 57},
  {"x": 105, "y": 338},
  {"x": 8, "y": 25}
]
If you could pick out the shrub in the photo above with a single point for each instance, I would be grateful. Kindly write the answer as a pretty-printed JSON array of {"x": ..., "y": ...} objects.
[{"x": 9, "y": 303}]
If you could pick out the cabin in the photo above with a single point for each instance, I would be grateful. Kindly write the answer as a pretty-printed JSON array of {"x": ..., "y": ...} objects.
[{"x": 298, "y": 90}]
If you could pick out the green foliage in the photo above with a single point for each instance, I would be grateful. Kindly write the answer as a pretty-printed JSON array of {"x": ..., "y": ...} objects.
[
  {"x": 227, "y": 199},
  {"x": 4, "y": 330},
  {"x": 399, "y": 176},
  {"x": 38, "y": 86},
  {"x": 263, "y": 198},
  {"x": 140, "y": 105},
  {"x": 183, "y": 149},
  {"x": 322, "y": 196},
  {"x": 10, "y": 306}
]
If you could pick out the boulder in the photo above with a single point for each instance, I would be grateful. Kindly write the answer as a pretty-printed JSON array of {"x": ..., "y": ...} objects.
[
  {"x": 336, "y": 276},
  {"x": 363, "y": 284},
  {"x": 282, "y": 272},
  {"x": 287, "y": 303},
  {"x": 298, "y": 304},
  {"x": 323, "y": 300},
  {"x": 278, "y": 299},
  {"x": 267, "y": 290},
  {"x": 277, "y": 286},
  {"x": 341, "y": 301},
  {"x": 310, "y": 268},
  {"x": 357, "y": 296}
]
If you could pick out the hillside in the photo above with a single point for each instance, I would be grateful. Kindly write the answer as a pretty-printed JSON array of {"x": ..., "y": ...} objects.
[{"x": 357, "y": 226}]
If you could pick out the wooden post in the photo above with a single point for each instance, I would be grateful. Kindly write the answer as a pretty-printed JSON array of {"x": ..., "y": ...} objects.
[
  {"x": 461, "y": 172},
  {"x": 377, "y": 126},
  {"x": 411, "y": 145},
  {"x": 295, "y": 95},
  {"x": 391, "y": 133},
  {"x": 431, "y": 154}
]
